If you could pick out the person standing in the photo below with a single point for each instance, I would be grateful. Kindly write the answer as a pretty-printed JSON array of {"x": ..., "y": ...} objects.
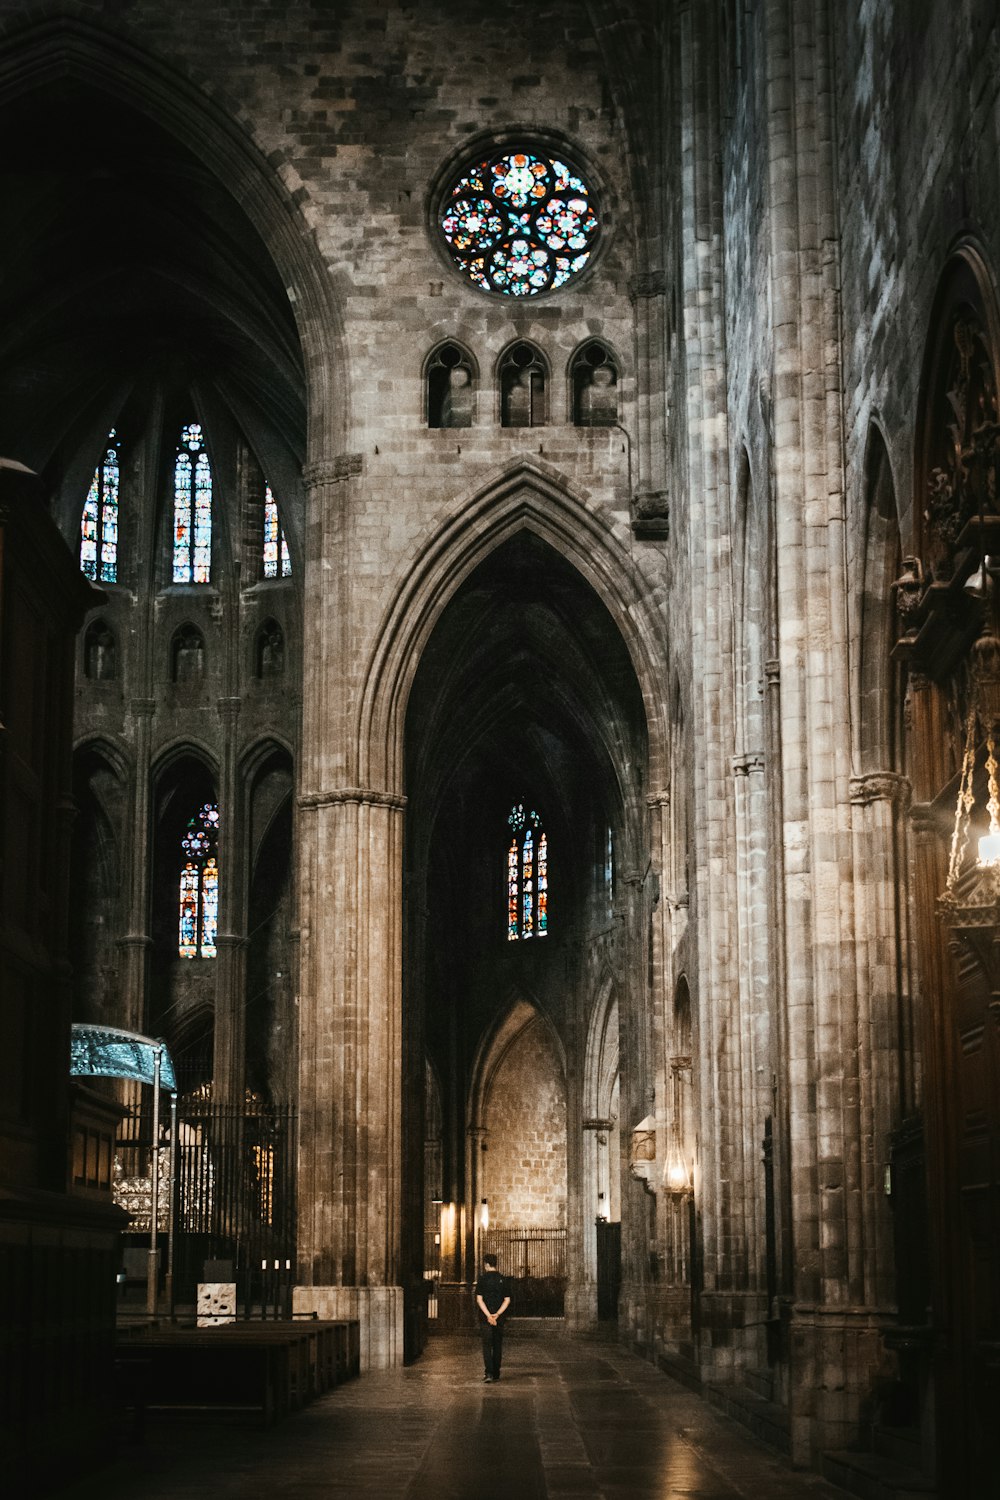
[{"x": 493, "y": 1300}]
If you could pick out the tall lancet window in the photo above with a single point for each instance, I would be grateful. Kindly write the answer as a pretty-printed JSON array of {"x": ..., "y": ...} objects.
[
  {"x": 199, "y": 885},
  {"x": 192, "y": 508},
  {"x": 527, "y": 876},
  {"x": 99, "y": 522},
  {"x": 277, "y": 563}
]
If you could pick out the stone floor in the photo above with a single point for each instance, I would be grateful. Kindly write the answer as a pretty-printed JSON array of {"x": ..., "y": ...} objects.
[{"x": 572, "y": 1419}]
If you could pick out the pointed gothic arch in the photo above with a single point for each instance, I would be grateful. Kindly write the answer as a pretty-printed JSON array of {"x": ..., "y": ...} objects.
[
  {"x": 528, "y": 497},
  {"x": 106, "y": 57}
]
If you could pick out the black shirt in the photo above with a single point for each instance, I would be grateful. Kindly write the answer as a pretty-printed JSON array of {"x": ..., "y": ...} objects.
[{"x": 492, "y": 1287}]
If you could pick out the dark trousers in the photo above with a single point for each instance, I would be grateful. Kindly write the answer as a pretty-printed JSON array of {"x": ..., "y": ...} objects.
[{"x": 492, "y": 1347}]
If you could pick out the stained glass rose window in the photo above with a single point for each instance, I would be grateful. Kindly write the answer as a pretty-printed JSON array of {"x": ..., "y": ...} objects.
[{"x": 520, "y": 223}]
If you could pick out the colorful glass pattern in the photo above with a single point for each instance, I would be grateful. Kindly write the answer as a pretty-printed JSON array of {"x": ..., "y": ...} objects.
[
  {"x": 199, "y": 886},
  {"x": 527, "y": 876},
  {"x": 275, "y": 546},
  {"x": 192, "y": 509},
  {"x": 99, "y": 522},
  {"x": 520, "y": 223},
  {"x": 188, "y": 944}
]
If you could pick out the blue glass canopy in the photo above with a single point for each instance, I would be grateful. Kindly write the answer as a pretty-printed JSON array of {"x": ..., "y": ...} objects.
[{"x": 106, "y": 1052}]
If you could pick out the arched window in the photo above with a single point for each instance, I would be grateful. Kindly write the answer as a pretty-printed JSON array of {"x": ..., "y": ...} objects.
[
  {"x": 527, "y": 876},
  {"x": 519, "y": 222},
  {"x": 199, "y": 885},
  {"x": 192, "y": 508},
  {"x": 277, "y": 563},
  {"x": 188, "y": 654},
  {"x": 450, "y": 388},
  {"x": 99, "y": 522},
  {"x": 594, "y": 378},
  {"x": 522, "y": 387},
  {"x": 270, "y": 654},
  {"x": 99, "y": 652}
]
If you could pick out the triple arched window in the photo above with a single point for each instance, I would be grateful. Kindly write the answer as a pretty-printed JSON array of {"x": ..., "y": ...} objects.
[
  {"x": 527, "y": 875},
  {"x": 524, "y": 383},
  {"x": 199, "y": 885},
  {"x": 190, "y": 557}
]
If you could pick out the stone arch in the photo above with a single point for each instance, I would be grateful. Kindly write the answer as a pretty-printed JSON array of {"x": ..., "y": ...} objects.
[
  {"x": 270, "y": 192},
  {"x": 528, "y": 497},
  {"x": 101, "y": 775},
  {"x": 519, "y": 1085}
]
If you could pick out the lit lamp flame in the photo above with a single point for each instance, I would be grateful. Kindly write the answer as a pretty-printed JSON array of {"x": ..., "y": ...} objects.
[{"x": 676, "y": 1177}]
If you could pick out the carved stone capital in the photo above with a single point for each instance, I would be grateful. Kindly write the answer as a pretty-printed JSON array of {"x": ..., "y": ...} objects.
[
  {"x": 229, "y": 708},
  {"x": 651, "y": 283},
  {"x": 332, "y": 470},
  {"x": 749, "y": 764},
  {"x": 598, "y": 1124},
  {"x": 359, "y": 795},
  {"x": 924, "y": 822},
  {"x": 772, "y": 671},
  {"x": 658, "y": 799},
  {"x": 651, "y": 514},
  {"x": 881, "y": 786}
]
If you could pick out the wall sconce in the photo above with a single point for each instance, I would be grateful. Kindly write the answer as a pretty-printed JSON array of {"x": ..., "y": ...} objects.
[{"x": 676, "y": 1177}]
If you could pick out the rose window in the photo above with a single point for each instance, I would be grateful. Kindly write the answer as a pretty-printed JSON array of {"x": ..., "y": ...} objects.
[{"x": 520, "y": 223}]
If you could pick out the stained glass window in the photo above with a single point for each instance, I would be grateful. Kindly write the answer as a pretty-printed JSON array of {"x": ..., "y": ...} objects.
[
  {"x": 277, "y": 562},
  {"x": 199, "y": 885},
  {"x": 527, "y": 876},
  {"x": 99, "y": 522},
  {"x": 192, "y": 508},
  {"x": 520, "y": 223}
]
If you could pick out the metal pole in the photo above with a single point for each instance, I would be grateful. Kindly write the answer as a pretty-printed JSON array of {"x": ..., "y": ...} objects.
[
  {"x": 171, "y": 1207},
  {"x": 152, "y": 1268}
]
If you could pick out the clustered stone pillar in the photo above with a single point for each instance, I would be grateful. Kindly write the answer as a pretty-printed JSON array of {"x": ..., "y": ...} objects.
[{"x": 350, "y": 1070}]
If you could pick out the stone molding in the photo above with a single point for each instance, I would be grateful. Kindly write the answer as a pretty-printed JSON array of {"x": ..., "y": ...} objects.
[
  {"x": 880, "y": 786},
  {"x": 332, "y": 470},
  {"x": 359, "y": 795},
  {"x": 749, "y": 764},
  {"x": 648, "y": 284},
  {"x": 924, "y": 822}
]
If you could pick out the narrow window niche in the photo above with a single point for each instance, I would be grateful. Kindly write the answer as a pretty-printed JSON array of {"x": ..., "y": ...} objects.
[
  {"x": 522, "y": 387},
  {"x": 187, "y": 655},
  {"x": 450, "y": 387},
  {"x": 594, "y": 383}
]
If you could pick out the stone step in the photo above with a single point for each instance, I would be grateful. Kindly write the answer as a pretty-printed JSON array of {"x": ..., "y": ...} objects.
[
  {"x": 873, "y": 1476},
  {"x": 765, "y": 1419}
]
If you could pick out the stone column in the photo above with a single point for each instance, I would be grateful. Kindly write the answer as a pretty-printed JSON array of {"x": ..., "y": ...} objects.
[
  {"x": 650, "y": 497},
  {"x": 880, "y": 802},
  {"x": 137, "y": 942},
  {"x": 350, "y": 967},
  {"x": 350, "y": 1065},
  {"x": 229, "y": 1062}
]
